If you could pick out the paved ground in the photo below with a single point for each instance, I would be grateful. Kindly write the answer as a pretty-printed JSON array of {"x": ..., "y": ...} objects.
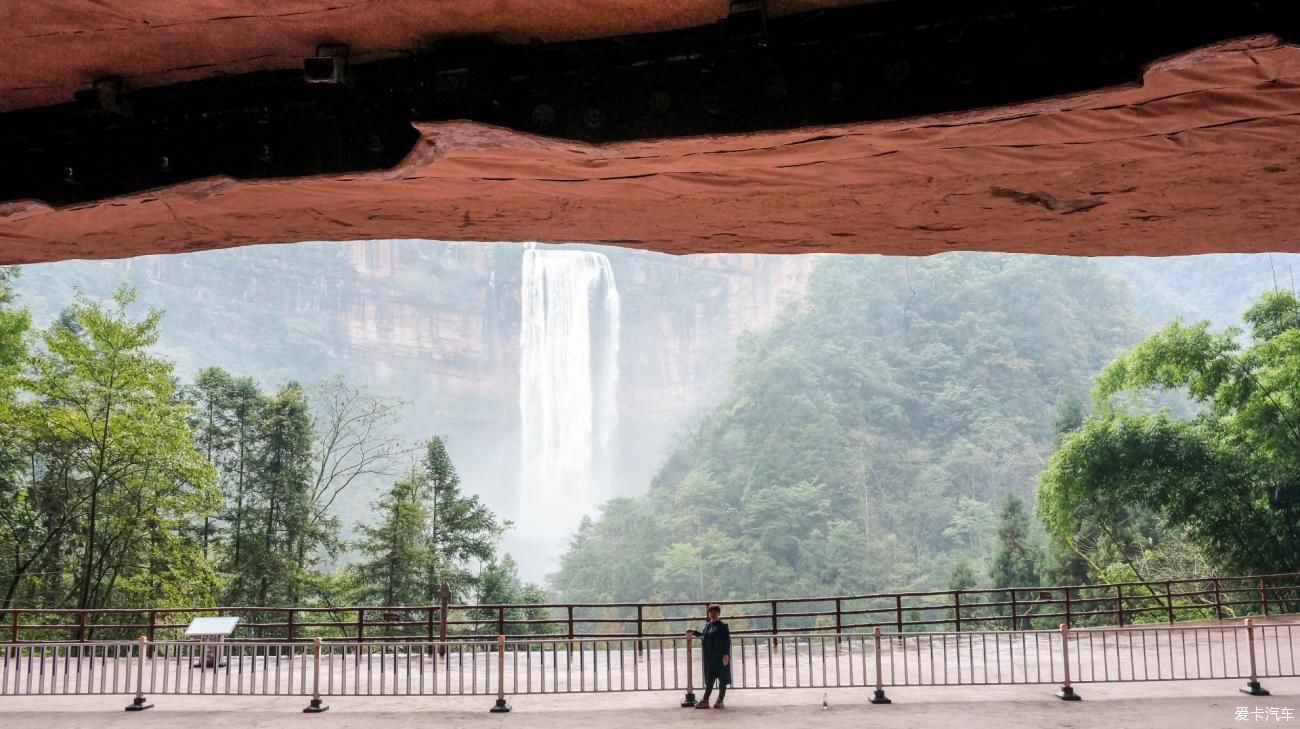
[{"x": 1185, "y": 705}]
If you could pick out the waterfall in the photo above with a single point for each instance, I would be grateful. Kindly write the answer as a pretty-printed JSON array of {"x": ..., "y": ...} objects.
[{"x": 568, "y": 382}]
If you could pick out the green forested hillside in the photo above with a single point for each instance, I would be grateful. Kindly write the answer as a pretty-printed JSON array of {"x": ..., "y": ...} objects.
[
  {"x": 123, "y": 486},
  {"x": 871, "y": 436}
]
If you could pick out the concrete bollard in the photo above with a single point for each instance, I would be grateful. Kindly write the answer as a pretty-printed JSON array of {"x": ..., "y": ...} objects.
[
  {"x": 139, "y": 703},
  {"x": 315, "y": 706},
  {"x": 879, "y": 696},
  {"x": 689, "y": 700},
  {"x": 501, "y": 706},
  {"x": 1252, "y": 686},
  {"x": 1067, "y": 691}
]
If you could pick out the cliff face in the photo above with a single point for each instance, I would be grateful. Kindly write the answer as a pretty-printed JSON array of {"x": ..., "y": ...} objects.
[
  {"x": 438, "y": 324},
  {"x": 441, "y": 323}
]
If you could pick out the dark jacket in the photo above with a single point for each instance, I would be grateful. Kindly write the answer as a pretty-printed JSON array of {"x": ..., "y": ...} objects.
[{"x": 716, "y": 643}]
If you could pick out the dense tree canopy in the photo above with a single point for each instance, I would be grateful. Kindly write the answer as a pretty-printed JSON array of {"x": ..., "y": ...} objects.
[
  {"x": 1226, "y": 477},
  {"x": 119, "y": 488},
  {"x": 112, "y": 473},
  {"x": 429, "y": 533}
]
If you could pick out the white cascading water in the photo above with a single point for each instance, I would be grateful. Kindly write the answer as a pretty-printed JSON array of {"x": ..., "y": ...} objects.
[{"x": 568, "y": 384}]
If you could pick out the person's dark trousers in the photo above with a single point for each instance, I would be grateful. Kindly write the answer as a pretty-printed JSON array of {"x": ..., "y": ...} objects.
[{"x": 708, "y": 687}]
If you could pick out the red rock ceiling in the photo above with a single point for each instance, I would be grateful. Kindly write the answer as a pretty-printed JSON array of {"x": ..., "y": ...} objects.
[
  {"x": 1203, "y": 156},
  {"x": 52, "y": 48}
]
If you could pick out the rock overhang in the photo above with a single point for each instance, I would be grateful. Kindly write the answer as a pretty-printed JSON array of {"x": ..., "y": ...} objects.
[{"x": 1201, "y": 156}]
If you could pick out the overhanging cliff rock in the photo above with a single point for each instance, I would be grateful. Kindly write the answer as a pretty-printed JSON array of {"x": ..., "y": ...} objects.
[{"x": 1203, "y": 155}]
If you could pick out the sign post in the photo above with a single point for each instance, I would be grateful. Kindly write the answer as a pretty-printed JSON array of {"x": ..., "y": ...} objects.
[{"x": 212, "y": 633}]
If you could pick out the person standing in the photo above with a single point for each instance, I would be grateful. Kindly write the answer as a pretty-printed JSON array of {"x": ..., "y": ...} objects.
[{"x": 716, "y": 644}]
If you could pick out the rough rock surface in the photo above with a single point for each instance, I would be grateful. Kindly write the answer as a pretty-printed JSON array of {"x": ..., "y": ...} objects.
[
  {"x": 1203, "y": 156},
  {"x": 52, "y": 48}
]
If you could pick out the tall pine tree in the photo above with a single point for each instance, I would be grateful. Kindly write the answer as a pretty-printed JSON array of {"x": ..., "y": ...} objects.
[{"x": 1015, "y": 558}]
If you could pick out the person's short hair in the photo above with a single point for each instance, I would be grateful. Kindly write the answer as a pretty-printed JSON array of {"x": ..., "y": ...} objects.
[{"x": 713, "y": 606}]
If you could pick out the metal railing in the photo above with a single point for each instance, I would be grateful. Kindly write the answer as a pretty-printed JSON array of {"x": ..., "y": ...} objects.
[
  {"x": 1119, "y": 604},
  {"x": 517, "y": 667}
]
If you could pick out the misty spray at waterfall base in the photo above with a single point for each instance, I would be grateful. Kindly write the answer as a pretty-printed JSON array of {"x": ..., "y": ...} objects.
[{"x": 568, "y": 405}]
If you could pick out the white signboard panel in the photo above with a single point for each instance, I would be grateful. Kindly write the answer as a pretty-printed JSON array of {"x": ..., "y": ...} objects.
[{"x": 212, "y": 626}]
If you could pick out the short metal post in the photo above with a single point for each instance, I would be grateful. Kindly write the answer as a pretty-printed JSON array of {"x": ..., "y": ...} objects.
[
  {"x": 1252, "y": 686},
  {"x": 689, "y": 701},
  {"x": 315, "y": 707},
  {"x": 501, "y": 707},
  {"x": 879, "y": 696},
  {"x": 1067, "y": 691},
  {"x": 139, "y": 703},
  {"x": 1169, "y": 601},
  {"x": 956, "y": 610}
]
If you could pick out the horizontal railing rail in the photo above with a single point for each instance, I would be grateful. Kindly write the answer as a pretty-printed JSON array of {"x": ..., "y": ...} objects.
[
  {"x": 522, "y": 666},
  {"x": 1116, "y": 604}
]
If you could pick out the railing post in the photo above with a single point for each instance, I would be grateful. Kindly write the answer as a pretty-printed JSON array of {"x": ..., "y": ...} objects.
[
  {"x": 501, "y": 620},
  {"x": 1069, "y": 616},
  {"x": 1263, "y": 596},
  {"x": 1119, "y": 605},
  {"x": 1218, "y": 600},
  {"x": 428, "y": 621},
  {"x": 570, "y": 622},
  {"x": 153, "y": 625},
  {"x": 13, "y": 625},
  {"x": 776, "y": 628},
  {"x": 879, "y": 696},
  {"x": 289, "y": 624},
  {"x": 898, "y": 613},
  {"x": 315, "y": 707},
  {"x": 361, "y": 624},
  {"x": 956, "y": 610},
  {"x": 1169, "y": 601},
  {"x": 689, "y": 700},
  {"x": 81, "y": 627},
  {"x": 1067, "y": 691},
  {"x": 839, "y": 622},
  {"x": 442, "y": 630},
  {"x": 139, "y": 703},
  {"x": 1014, "y": 624},
  {"x": 640, "y": 630},
  {"x": 1252, "y": 686},
  {"x": 501, "y": 707}
]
